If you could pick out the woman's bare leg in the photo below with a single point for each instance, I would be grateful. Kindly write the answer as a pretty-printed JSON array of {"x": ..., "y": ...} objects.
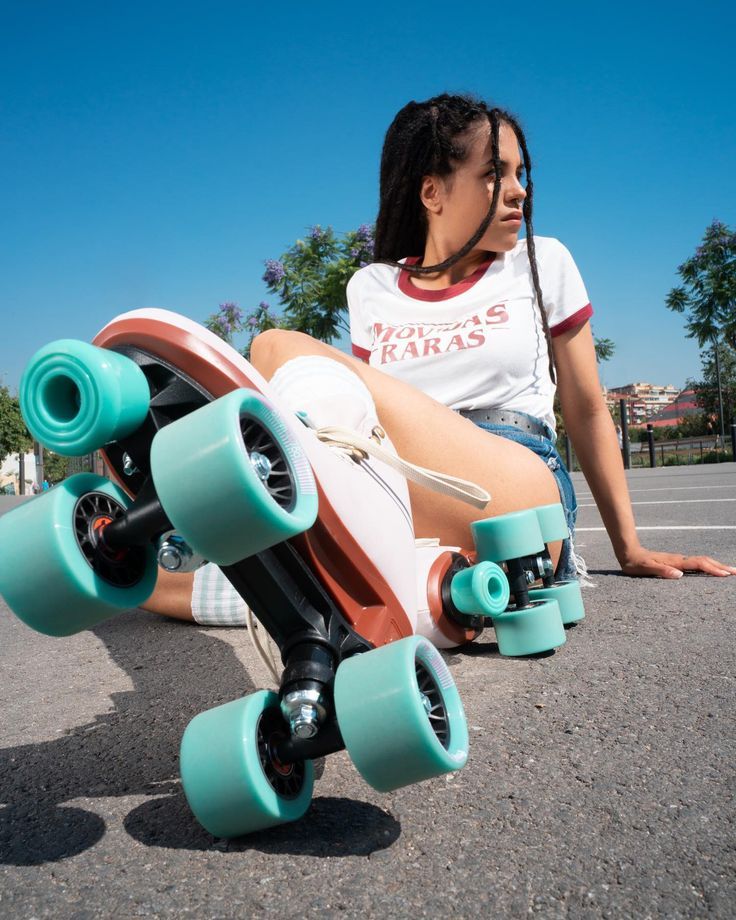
[
  {"x": 429, "y": 434},
  {"x": 172, "y": 596}
]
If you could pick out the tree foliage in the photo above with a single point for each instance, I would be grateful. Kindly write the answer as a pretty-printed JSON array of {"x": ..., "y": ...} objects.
[
  {"x": 310, "y": 281},
  {"x": 14, "y": 436},
  {"x": 311, "y": 278},
  {"x": 706, "y": 389},
  {"x": 692, "y": 426},
  {"x": 707, "y": 295},
  {"x": 604, "y": 349},
  {"x": 55, "y": 467}
]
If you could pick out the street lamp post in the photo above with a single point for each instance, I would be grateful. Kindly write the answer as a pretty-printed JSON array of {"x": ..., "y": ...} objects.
[
  {"x": 625, "y": 446},
  {"x": 720, "y": 391},
  {"x": 38, "y": 452}
]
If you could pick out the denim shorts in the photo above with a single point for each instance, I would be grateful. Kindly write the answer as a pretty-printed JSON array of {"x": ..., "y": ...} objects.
[{"x": 545, "y": 448}]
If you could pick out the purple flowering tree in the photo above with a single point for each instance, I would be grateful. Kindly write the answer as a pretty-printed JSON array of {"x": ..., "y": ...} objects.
[
  {"x": 707, "y": 297},
  {"x": 309, "y": 280},
  {"x": 226, "y": 322}
]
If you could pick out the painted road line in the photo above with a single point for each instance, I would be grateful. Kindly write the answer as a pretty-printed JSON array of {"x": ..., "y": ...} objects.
[
  {"x": 673, "y": 527},
  {"x": 673, "y": 489},
  {"x": 676, "y": 501}
]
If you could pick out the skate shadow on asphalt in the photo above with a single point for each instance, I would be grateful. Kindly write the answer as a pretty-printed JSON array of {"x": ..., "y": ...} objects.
[
  {"x": 487, "y": 650},
  {"x": 177, "y": 671},
  {"x": 332, "y": 827},
  {"x": 472, "y": 650},
  {"x": 478, "y": 648}
]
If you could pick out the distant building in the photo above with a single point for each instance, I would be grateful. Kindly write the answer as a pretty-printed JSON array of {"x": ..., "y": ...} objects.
[
  {"x": 10, "y": 472},
  {"x": 643, "y": 400},
  {"x": 682, "y": 406}
]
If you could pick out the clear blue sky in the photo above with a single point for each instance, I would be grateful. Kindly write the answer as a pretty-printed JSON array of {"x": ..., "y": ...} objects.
[{"x": 154, "y": 154}]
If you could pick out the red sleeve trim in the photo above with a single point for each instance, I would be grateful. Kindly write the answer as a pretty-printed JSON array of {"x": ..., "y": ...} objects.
[
  {"x": 577, "y": 319},
  {"x": 361, "y": 353}
]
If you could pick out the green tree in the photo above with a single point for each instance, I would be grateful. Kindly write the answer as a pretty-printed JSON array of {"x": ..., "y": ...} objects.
[
  {"x": 707, "y": 295},
  {"x": 604, "y": 349},
  {"x": 14, "y": 436},
  {"x": 692, "y": 426},
  {"x": 55, "y": 467},
  {"x": 706, "y": 389},
  {"x": 310, "y": 281},
  {"x": 311, "y": 278}
]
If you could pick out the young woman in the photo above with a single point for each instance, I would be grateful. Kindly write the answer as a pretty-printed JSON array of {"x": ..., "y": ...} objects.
[{"x": 462, "y": 333}]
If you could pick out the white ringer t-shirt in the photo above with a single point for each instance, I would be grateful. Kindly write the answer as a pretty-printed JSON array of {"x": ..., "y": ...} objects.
[{"x": 479, "y": 343}]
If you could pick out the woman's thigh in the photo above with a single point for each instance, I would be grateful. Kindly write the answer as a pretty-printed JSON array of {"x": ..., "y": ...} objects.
[{"x": 429, "y": 434}]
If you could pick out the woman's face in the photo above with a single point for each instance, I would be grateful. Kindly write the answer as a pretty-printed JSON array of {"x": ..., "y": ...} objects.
[{"x": 459, "y": 202}]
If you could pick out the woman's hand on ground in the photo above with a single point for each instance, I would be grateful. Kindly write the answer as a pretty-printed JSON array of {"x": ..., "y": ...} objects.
[{"x": 649, "y": 563}]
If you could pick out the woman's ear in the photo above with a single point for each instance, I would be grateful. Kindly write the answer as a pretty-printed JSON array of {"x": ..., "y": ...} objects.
[{"x": 431, "y": 193}]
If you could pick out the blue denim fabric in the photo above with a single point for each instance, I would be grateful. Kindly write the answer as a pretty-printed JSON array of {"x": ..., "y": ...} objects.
[{"x": 544, "y": 447}]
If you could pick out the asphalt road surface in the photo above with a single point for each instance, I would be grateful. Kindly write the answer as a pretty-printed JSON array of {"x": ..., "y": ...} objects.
[{"x": 600, "y": 781}]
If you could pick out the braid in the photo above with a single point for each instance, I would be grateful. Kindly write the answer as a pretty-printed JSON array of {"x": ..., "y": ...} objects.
[
  {"x": 424, "y": 139},
  {"x": 530, "y": 247}
]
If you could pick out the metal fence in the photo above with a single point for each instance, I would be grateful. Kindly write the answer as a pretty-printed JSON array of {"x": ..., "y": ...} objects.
[{"x": 680, "y": 452}]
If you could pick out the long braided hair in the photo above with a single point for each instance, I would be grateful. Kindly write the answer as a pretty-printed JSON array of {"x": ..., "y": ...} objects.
[{"x": 425, "y": 138}]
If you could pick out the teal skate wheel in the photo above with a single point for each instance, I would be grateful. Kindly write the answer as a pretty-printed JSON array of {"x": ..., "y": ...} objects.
[
  {"x": 509, "y": 536},
  {"x": 568, "y": 596},
  {"x": 552, "y": 523},
  {"x": 400, "y": 714},
  {"x": 232, "y": 479},
  {"x": 529, "y": 630},
  {"x": 232, "y": 780},
  {"x": 76, "y": 397},
  {"x": 55, "y": 574},
  {"x": 481, "y": 590}
]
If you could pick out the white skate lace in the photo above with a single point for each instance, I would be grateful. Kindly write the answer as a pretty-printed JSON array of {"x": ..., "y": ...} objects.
[
  {"x": 262, "y": 646},
  {"x": 361, "y": 448}
]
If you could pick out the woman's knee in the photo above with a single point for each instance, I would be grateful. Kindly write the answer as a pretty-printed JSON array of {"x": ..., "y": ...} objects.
[
  {"x": 268, "y": 349},
  {"x": 274, "y": 347}
]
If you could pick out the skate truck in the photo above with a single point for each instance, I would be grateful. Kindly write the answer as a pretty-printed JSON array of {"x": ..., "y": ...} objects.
[{"x": 293, "y": 490}]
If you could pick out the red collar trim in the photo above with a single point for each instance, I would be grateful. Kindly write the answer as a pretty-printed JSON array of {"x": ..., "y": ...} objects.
[{"x": 411, "y": 290}]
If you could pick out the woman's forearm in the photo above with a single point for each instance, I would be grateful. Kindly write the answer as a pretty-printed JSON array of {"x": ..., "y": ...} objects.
[{"x": 596, "y": 446}]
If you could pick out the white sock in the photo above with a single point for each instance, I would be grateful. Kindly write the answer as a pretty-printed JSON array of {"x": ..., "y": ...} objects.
[{"x": 327, "y": 391}]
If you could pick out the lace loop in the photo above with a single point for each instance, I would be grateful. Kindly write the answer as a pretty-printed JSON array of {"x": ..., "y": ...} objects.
[{"x": 362, "y": 448}]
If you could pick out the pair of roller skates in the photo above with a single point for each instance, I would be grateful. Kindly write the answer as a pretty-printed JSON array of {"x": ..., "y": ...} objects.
[{"x": 214, "y": 463}]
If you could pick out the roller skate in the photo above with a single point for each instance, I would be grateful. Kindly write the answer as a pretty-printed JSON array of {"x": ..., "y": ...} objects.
[
  {"x": 527, "y": 608},
  {"x": 208, "y": 467},
  {"x": 212, "y": 462}
]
